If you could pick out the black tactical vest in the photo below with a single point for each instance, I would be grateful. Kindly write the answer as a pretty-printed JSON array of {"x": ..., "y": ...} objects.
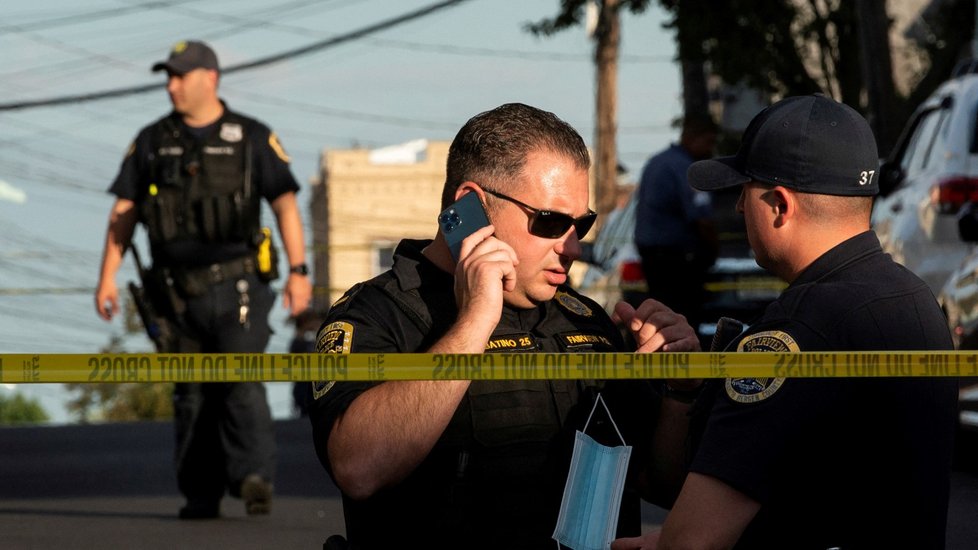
[
  {"x": 491, "y": 405},
  {"x": 201, "y": 189},
  {"x": 504, "y": 455},
  {"x": 504, "y": 414}
]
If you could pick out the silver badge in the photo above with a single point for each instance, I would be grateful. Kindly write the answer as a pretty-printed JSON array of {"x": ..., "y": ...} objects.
[{"x": 231, "y": 132}]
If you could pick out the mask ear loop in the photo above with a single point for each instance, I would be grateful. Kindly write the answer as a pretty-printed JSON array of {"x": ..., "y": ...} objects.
[{"x": 597, "y": 400}]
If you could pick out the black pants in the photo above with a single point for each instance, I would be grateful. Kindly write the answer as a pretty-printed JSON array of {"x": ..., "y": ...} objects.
[
  {"x": 223, "y": 431},
  {"x": 675, "y": 277}
]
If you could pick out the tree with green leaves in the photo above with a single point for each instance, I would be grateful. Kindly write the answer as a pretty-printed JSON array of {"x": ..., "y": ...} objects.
[
  {"x": 796, "y": 47},
  {"x": 17, "y": 409},
  {"x": 839, "y": 48},
  {"x": 120, "y": 402}
]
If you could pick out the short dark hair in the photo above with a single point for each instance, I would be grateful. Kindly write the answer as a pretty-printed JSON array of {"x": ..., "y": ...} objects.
[
  {"x": 697, "y": 124},
  {"x": 492, "y": 146}
]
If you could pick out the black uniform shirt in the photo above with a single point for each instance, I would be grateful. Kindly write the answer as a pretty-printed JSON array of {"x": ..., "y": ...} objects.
[
  {"x": 495, "y": 477},
  {"x": 839, "y": 462},
  {"x": 270, "y": 173}
]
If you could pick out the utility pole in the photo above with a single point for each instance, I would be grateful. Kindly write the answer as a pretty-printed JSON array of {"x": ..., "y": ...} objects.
[
  {"x": 877, "y": 69},
  {"x": 607, "y": 38},
  {"x": 319, "y": 217},
  {"x": 974, "y": 36},
  {"x": 696, "y": 96}
]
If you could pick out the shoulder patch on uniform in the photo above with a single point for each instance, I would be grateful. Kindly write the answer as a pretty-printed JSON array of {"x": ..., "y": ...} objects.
[
  {"x": 753, "y": 390},
  {"x": 277, "y": 147},
  {"x": 320, "y": 389},
  {"x": 572, "y": 304},
  {"x": 335, "y": 338},
  {"x": 232, "y": 132},
  {"x": 771, "y": 340},
  {"x": 341, "y": 299}
]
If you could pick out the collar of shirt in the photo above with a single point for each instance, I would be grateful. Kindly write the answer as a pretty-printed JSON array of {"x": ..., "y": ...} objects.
[{"x": 840, "y": 256}]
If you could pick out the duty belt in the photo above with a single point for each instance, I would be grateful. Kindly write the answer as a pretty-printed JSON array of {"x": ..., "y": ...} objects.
[
  {"x": 195, "y": 281},
  {"x": 220, "y": 272}
]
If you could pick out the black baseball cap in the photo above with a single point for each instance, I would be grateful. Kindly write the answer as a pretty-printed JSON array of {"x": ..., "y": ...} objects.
[
  {"x": 811, "y": 144},
  {"x": 188, "y": 55}
]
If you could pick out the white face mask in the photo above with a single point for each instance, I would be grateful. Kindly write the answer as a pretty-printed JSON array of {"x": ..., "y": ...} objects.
[{"x": 592, "y": 495}]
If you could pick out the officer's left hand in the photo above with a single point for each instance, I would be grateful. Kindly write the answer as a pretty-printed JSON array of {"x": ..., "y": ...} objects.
[
  {"x": 657, "y": 328},
  {"x": 297, "y": 293}
]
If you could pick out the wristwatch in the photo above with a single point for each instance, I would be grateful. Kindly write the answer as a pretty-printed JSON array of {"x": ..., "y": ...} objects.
[
  {"x": 683, "y": 396},
  {"x": 301, "y": 269}
]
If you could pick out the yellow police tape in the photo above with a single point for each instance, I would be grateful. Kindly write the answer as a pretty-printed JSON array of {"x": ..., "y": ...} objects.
[{"x": 293, "y": 367}]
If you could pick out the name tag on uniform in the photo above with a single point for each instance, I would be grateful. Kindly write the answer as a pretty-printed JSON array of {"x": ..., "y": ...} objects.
[
  {"x": 577, "y": 341},
  {"x": 512, "y": 342},
  {"x": 227, "y": 151}
]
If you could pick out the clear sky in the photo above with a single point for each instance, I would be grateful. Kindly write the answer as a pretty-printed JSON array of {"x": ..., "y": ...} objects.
[{"x": 422, "y": 79}]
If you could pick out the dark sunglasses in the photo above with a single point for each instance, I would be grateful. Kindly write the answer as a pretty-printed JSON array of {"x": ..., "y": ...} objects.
[{"x": 549, "y": 224}]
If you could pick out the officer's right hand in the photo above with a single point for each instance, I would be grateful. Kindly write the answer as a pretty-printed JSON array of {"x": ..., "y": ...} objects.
[
  {"x": 107, "y": 299},
  {"x": 648, "y": 541},
  {"x": 655, "y": 327},
  {"x": 485, "y": 270}
]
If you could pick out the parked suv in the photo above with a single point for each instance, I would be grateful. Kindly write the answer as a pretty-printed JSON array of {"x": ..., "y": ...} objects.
[
  {"x": 927, "y": 219},
  {"x": 931, "y": 173},
  {"x": 959, "y": 299}
]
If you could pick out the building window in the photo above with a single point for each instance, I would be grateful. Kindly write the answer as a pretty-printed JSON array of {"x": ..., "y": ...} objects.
[{"x": 383, "y": 256}]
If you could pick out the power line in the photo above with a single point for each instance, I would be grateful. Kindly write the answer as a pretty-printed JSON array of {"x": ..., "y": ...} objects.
[
  {"x": 239, "y": 22},
  {"x": 453, "y": 49},
  {"x": 264, "y": 17},
  {"x": 316, "y": 46},
  {"x": 347, "y": 114},
  {"x": 46, "y": 291},
  {"x": 87, "y": 17},
  {"x": 366, "y": 31}
]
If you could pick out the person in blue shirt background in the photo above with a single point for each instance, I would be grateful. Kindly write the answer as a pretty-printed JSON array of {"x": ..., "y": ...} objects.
[{"x": 674, "y": 230}]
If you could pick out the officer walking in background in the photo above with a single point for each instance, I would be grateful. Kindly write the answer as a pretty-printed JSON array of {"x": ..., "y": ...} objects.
[
  {"x": 195, "y": 179},
  {"x": 850, "y": 463}
]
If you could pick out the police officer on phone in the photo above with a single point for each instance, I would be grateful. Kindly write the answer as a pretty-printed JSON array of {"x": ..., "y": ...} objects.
[
  {"x": 195, "y": 179},
  {"x": 481, "y": 464},
  {"x": 833, "y": 462}
]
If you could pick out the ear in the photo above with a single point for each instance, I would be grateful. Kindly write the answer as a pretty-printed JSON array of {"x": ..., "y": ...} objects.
[
  {"x": 785, "y": 205},
  {"x": 465, "y": 188}
]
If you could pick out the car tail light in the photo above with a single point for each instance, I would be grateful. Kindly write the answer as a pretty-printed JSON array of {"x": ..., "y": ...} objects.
[
  {"x": 631, "y": 272},
  {"x": 950, "y": 194},
  {"x": 632, "y": 278}
]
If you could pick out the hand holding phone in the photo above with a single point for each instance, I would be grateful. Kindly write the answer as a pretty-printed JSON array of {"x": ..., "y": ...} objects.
[{"x": 464, "y": 217}]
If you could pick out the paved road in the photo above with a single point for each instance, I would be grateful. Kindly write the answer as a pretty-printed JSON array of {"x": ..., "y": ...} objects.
[{"x": 111, "y": 486}]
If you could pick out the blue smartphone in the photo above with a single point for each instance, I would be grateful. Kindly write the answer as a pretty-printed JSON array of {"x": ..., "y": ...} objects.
[{"x": 464, "y": 217}]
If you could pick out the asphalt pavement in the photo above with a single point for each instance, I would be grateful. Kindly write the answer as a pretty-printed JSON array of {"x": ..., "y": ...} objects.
[{"x": 112, "y": 486}]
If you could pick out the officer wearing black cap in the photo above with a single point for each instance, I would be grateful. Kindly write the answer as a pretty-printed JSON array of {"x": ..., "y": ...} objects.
[
  {"x": 821, "y": 462},
  {"x": 195, "y": 179}
]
